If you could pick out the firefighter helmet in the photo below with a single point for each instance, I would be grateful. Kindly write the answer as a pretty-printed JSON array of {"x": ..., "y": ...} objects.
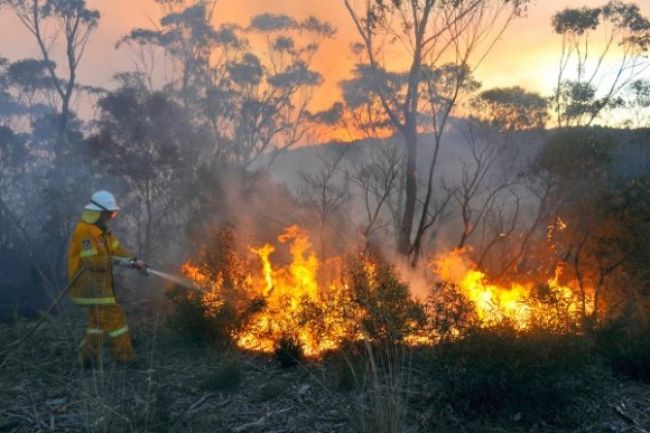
[{"x": 102, "y": 201}]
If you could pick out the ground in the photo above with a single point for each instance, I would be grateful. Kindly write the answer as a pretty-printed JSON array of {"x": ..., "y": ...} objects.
[{"x": 177, "y": 386}]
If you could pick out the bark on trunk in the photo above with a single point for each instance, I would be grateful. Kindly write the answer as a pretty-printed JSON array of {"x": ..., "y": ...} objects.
[{"x": 410, "y": 190}]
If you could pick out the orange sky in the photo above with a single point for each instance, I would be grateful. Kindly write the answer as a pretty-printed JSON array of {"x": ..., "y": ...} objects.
[{"x": 526, "y": 55}]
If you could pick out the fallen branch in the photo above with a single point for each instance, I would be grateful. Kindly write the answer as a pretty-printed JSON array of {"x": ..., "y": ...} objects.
[
  {"x": 242, "y": 428},
  {"x": 618, "y": 410}
]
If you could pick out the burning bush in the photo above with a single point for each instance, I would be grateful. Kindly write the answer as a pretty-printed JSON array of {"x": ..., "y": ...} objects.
[
  {"x": 218, "y": 313},
  {"x": 530, "y": 302},
  {"x": 313, "y": 304},
  {"x": 262, "y": 298},
  {"x": 282, "y": 298},
  {"x": 387, "y": 311},
  {"x": 450, "y": 314},
  {"x": 262, "y": 303}
]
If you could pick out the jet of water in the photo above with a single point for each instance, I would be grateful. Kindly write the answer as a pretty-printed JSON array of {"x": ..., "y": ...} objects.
[{"x": 175, "y": 279}]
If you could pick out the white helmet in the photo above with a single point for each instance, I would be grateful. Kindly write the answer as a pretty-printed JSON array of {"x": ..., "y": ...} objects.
[{"x": 102, "y": 201}]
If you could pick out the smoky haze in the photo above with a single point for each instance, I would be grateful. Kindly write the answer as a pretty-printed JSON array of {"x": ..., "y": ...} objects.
[{"x": 209, "y": 130}]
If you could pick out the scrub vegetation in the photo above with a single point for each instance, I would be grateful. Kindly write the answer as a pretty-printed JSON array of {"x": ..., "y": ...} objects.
[{"x": 469, "y": 259}]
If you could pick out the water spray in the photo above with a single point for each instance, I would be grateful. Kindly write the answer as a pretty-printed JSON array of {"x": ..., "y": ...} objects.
[
  {"x": 174, "y": 279},
  {"x": 146, "y": 270}
]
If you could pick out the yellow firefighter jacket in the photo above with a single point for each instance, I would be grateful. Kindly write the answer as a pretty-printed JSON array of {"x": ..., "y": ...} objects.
[{"x": 94, "y": 249}]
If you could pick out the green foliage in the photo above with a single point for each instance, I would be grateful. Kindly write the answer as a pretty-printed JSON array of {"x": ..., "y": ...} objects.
[
  {"x": 604, "y": 218},
  {"x": 144, "y": 137},
  {"x": 389, "y": 313},
  {"x": 626, "y": 346},
  {"x": 580, "y": 99},
  {"x": 13, "y": 152},
  {"x": 511, "y": 108},
  {"x": 253, "y": 100},
  {"x": 640, "y": 90},
  {"x": 215, "y": 315},
  {"x": 347, "y": 376},
  {"x": 501, "y": 373},
  {"x": 576, "y": 21},
  {"x": 450, "y": 315},
  {"x": 193, "y": 319},
  {"x": 383, "y": 405},
  {"x": 147, "y": 140},
  {"x": 633, "y": 213},
  {"x": 350, "y": 367},
  {"x": 577, "y": 153}
]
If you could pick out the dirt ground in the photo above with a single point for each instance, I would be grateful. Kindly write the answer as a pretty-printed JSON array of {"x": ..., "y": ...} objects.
[{"x": 179, "y": 387}]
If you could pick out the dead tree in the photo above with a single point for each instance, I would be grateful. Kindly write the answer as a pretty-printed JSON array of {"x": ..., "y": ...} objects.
[
  {"x": 378, "y": 180},
  {"x": 482, "y": 183},
  {"x": 326, "y": 192}
]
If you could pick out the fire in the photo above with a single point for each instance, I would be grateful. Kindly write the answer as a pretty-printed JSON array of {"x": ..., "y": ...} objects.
[
  {"x": 309, "y": 301},
  {"x": 296, "y": 296},
  {"x": 286, "y": 290},
  {"x": 516, "y": 302}
]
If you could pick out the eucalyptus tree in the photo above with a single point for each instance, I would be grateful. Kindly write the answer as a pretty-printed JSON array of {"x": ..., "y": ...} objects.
[
  {"x": 434, "y": 46},
  {"x": 252, "y": 85},
  {"x": 511, "y": 109},
  {"x": 607, "y": 49},
  {"x": 638, "y": 102},
  {"x": 148, "y": 144},
  {"x": 58, "y": 27}
]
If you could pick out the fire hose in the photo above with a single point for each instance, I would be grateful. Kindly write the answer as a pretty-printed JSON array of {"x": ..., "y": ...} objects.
[{"x": 145, "y": 270}]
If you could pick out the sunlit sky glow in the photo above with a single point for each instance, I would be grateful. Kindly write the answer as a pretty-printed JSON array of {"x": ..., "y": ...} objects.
[{"x": 526, "y": 55}]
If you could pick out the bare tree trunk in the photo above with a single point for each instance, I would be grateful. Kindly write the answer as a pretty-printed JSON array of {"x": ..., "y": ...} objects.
[{"x": 406, "y": 228}]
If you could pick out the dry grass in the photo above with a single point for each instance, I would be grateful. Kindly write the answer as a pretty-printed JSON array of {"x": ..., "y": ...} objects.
[
  {"x": 382, "y": 405},
  {"x": 180, "y": 387}
]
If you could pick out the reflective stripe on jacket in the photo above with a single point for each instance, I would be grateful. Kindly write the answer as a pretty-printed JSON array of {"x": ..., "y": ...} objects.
[{"x": 93, "y": 248}]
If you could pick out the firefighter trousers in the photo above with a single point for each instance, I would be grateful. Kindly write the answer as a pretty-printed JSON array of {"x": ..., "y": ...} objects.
[{"x": 106, "y": 321}]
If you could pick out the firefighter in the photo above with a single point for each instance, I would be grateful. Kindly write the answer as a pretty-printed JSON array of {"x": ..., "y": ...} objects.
[{"x": 97, "y": 250}]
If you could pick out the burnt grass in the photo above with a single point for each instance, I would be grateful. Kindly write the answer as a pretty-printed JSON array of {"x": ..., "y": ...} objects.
[{"x": 492, "y": 381}]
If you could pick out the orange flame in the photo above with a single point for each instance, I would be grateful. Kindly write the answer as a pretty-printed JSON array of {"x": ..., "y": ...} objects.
[
  {"x": 514, "y": 302},
  {"x": 305, "y": 288}
]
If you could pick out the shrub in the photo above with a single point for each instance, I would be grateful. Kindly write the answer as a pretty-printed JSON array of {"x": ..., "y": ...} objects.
[
  {"x": 221, "y": 309},
  {"x": 348, "y": 374},
  {"x": 535, "y": 375},
  {"x": 450, "y": 314},
  {"x": 193, "y": 319},
  {"x": 626, "y": 347},
  {"x": 288, "y": 351},
  {"x": 388, "y": 312}
]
